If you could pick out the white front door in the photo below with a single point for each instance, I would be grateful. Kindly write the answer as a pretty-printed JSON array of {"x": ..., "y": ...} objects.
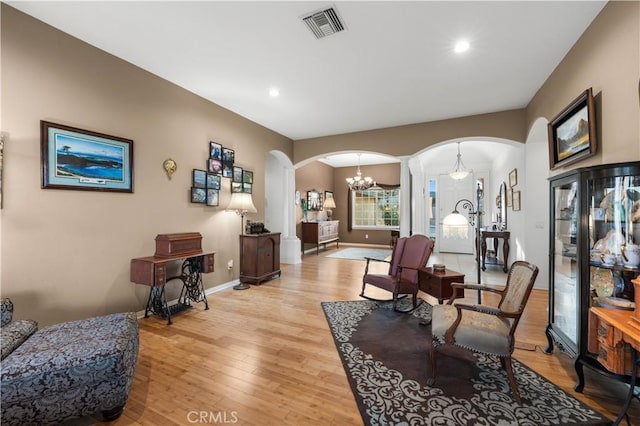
[{"x": 450, "y": 191}]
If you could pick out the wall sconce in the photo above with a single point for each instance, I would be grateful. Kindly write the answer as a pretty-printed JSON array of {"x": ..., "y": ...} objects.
[{"x": 170, "y": 166}]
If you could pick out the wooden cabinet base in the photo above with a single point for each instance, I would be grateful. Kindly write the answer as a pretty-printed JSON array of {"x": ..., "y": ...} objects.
[
  {"x": 244, "y": 279},
  {"x": 259, "y": 258}
]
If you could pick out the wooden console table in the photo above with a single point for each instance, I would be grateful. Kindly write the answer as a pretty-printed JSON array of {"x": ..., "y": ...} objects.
[
  {"x": 320, "y": 233},
  {"x": 438, "y": 284},
  {"x": 615, "y": 337},
  {"x": 504, "y": 235},
  {"x": 152, "y": 271}
]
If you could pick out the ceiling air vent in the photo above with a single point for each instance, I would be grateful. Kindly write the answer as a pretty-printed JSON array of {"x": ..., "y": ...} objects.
[{"x": 324, "y": 23}]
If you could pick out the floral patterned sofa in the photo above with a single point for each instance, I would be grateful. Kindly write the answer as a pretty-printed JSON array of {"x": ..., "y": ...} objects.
[{"x": 66, "y": 370}]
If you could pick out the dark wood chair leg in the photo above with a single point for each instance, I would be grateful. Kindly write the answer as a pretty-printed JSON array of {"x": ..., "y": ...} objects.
[{"x": 506, "y": 362}]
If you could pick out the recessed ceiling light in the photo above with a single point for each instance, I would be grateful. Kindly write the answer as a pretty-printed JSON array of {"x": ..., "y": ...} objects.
[
  {"x": 461, "y": 46},
  {"x": 274, "y": 92}
]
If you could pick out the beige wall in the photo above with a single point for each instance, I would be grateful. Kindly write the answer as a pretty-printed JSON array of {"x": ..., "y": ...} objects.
[
  {"x": 606, "y": 58},
  {"x": 315, "y": 175},
  {"x": 66, "y": 253},
  {"x": 411, "y": 139}
]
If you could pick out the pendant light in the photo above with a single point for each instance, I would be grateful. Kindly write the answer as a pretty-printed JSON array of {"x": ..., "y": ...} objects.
[{"x": 460, "y": 171}]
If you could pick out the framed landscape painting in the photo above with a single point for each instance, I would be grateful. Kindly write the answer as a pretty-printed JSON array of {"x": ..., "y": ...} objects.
[
  {"x": 73, "y": 158},
  {"x": 572, "y": 134}
]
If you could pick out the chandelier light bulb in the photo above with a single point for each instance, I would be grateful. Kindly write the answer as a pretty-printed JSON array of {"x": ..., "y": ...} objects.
[{"x": 358, "y": 183}]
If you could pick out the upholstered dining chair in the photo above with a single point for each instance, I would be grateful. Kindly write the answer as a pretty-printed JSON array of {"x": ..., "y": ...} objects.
[
  {"x": 481, "y": 328},
  {"x": 409, "y": 254}
]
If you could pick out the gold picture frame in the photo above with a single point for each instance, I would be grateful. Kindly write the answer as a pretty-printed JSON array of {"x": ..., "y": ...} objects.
[
  {"x": 513, "y": 178},
  {"x": 516, "y": 201}
]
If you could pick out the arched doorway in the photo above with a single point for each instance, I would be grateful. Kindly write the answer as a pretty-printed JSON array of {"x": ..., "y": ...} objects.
[{"x": 435, "y": 194}]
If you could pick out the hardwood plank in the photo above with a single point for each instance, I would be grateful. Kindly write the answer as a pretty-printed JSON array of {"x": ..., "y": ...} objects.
[{"x": 266, "y": 355}]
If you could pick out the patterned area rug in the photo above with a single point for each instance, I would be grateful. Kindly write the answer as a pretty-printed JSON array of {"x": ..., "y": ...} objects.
[
  {"x": 359, "y": 253},
  {"x": 385, "y": 356}
]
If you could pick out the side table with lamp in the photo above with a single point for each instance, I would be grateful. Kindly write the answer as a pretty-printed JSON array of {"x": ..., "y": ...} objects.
[
  {"x": 329, "y": 203},
  {"x": 260, "y": 251}
]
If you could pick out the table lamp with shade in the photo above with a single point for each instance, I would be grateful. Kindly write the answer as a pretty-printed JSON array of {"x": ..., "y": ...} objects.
[
  {"x": 328, "y": 205},
  {"x": 241, "y": 203}
]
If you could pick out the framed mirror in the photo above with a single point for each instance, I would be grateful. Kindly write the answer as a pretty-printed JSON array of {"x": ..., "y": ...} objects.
[
  {"x": 314, "y": 200},
  {"x": 501, "y": 206}
]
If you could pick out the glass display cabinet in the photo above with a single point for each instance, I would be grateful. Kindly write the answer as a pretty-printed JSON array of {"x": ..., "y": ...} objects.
[{"x": 594, "y": 252}]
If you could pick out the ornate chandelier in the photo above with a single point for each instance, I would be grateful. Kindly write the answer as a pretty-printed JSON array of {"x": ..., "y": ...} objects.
[
  {"x": 358, "y": 183},
  {"x": 460, "y": 172}
]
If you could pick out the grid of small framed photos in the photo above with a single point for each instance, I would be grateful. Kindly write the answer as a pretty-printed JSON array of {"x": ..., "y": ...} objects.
[
  {"x": 242, "y": 180},
  {"x": 205, "y": 187}
]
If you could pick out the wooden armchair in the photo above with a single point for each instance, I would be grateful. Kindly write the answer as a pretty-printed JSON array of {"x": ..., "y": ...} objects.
[
  {"x": 485, "y": 329},
  {"x": 409, "y": 254}
]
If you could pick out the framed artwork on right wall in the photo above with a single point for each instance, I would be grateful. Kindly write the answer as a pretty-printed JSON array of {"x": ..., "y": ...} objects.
[
  {"x": 572, "y": 134},
  {"x": 516, "y": 201},
  {"x": 513, "y": 178}
]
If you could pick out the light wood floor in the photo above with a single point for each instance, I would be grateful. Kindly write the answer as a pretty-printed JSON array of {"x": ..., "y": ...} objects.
[{"x": 265, "y": 356}]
